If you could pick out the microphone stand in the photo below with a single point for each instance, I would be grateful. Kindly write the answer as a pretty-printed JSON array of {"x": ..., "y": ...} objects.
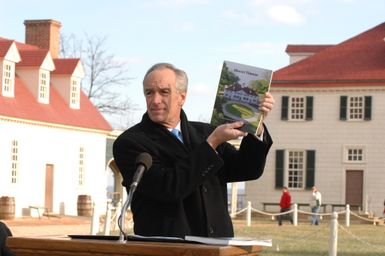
[{"x": 122, "y": 218}]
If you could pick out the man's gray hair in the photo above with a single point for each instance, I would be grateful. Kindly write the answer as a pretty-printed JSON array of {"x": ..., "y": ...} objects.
[{"x": 181, "y": 76}]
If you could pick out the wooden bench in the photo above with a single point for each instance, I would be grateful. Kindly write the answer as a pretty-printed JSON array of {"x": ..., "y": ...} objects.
[{"x": 38, "y": 209}]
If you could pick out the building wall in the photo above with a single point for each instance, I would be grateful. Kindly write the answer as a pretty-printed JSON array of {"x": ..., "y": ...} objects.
[
  {"x": 41, "y": 145},
  {"x": 327, "y": 135}
]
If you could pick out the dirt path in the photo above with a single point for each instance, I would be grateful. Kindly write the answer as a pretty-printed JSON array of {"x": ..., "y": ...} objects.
[{"x": 52, "y": 226}]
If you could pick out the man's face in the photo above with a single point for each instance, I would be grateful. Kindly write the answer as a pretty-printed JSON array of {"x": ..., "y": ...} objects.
[{"x": 164, "y": 102}]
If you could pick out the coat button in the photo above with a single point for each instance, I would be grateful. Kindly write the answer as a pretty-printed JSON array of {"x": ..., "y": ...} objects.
[
  {"x": 211, "y": 230},
  {"x": 204, "y": 189}
]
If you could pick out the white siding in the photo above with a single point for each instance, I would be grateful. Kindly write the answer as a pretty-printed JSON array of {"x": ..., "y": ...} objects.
[
  {"x": 327, "y": 135},
  {"x": 41, "y": 145}
]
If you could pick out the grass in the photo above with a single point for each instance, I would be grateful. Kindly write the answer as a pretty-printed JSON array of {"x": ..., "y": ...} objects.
[
  {"x": 240, "y": 110},
  {"x": 304, "y": 239}
]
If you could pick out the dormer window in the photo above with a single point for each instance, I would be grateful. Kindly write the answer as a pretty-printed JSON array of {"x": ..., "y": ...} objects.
[
  {"x": 75, "y": 93},
  {"x": 8, "y": 81},
  {"x": 44, "y": 87}
]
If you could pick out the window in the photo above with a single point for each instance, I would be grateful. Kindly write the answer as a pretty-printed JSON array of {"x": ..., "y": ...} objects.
[
  {"x": 14, "y": 161},
  {"x": 295, "y": 169},
  {"x": 81, "y": 177},
  {"x": 354, "y": 154},
  {"x": 44, "y": 87},
  {"x": 75, "y": 94},
  {"x": 8, "y": 79},
  {"x": 297, "y": 108},
  {"x": 355, "y": 108}
]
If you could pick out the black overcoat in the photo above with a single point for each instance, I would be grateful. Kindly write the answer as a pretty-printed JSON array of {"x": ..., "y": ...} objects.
[{"x": 185, "y": 190}]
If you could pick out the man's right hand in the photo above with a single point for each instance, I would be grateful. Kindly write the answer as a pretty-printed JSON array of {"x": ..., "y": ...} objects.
[{"x": 225, "y": 132}]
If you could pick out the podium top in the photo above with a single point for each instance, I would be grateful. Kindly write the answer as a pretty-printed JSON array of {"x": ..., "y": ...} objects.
[{"x": 23, "y": 246}]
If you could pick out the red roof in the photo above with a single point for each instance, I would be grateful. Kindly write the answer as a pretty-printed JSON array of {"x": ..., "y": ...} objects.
[
  {"x": 4, "y": 47},
  {"x": 65, "y": 66},
  {"x": 354, "y": 62},
  {"x": 25, "y": 106},
  {"x": 32, "y": 58},
  {"x": 308, "y": 48}
]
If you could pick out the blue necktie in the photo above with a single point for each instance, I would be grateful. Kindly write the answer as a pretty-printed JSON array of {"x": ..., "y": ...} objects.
[{"x": 177, "y": 134}]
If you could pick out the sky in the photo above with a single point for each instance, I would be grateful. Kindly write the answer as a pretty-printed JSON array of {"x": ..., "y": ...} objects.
[{"x": 196, "y": 35}]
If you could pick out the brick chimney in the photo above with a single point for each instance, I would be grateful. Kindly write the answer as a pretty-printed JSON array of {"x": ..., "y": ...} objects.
[{"x": 45, "y": 34}]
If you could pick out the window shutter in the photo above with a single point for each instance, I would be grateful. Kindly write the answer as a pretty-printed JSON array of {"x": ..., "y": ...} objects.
[
  {"x": 285, "y": 108},
  {"x": 368, "y": 108},
  {"x": 279, "y": 167},
  {"x": 343, "y": 107},
  {"x": 310, "y": 168},
  {"x": 309, "y": 108}
]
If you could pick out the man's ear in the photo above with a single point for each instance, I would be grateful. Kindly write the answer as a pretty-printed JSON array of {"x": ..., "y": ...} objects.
[{"x": 182, "y": 98}]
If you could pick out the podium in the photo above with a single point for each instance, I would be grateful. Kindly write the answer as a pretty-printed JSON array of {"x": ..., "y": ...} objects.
[{"x": 25, "y": 246}]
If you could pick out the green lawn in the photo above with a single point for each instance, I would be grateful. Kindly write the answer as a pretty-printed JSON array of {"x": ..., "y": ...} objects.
[
  {"x": 240, "y": 110},
  {"x": 288, "y": 240}
]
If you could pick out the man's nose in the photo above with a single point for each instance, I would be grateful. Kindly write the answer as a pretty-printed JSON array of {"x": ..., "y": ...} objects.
[{"x": 157, "y": 98}]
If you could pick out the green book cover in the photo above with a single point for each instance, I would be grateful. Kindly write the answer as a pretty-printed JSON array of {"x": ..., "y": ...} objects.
[{"x": 240, "y": 90}]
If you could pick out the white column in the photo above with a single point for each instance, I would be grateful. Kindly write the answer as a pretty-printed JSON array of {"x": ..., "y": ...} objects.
[
  {"x": 94, "y": 221},
  {"x": 295, "y": 215},
  {"x": 333, "y": 236},
  {"x": 248, "y": 215},
  {"x": 347, "y": 216},
  {"x": 107, "y": 221},
  {"x": 234, "y": 197}
]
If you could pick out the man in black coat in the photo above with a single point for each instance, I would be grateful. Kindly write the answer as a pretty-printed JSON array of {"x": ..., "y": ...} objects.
[{"x": 184, "y": 192}]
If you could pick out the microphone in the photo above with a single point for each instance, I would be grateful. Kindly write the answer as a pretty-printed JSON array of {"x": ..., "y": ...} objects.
[{"x": 143, "y": 162}]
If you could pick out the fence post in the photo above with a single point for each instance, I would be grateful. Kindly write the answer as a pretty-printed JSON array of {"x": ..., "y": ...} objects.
[
  {"x": 333, "y": 236},
  {"x": 295, "y": 215},
  {"x": 248, "y": 215},
  {"x": 94, "y": 221},
  {"x": 107, "y": 221},
  {"x": 347, "y": 216}
]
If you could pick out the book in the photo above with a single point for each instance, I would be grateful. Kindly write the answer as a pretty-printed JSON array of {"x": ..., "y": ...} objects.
[
  {"x": 233, "y": 241},
  {"x": 240, "y": 90}
]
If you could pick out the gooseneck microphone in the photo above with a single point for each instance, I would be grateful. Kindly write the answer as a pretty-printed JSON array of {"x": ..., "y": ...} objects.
[{"x": 142, "y": 163}]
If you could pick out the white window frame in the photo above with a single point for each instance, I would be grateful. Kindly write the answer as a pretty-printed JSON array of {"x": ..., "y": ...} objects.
[
  {"x": 8, "y": 79},
  {"x": 43, "y": 86},
  {"x": 81, "y": 167},
  {"x": 356, "y": 108},
  {"x": 288, "y": 169},
  {"x": 75, "y": 93},
  {"x": 354, "y": 154},
  {"x": 14, "y": 161},
  {"x": 297, "y": 108}
]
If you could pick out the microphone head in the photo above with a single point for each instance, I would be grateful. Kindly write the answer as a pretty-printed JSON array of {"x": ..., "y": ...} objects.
[{"x": 144, "y": 159}]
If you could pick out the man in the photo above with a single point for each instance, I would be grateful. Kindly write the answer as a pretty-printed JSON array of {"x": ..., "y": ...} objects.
[
  {"x": 315, "y": 204},
  {"x": 285, "y": 205},
  {"x": 184, "y": 192}
]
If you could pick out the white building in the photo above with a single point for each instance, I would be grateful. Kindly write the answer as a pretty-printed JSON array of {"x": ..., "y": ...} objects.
[
  {"x": 328, "y": 126},
  {"x": 52, "y": 139}
]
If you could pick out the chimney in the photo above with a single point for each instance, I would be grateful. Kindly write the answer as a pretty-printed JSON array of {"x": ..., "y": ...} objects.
[{"x": 44, "y": 34}]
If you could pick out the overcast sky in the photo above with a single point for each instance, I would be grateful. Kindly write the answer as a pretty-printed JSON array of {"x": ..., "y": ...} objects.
[{"x": 197, "y": 35}]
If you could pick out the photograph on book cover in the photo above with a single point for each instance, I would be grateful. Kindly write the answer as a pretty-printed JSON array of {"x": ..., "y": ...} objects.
[{"x": 239, "y": 92}]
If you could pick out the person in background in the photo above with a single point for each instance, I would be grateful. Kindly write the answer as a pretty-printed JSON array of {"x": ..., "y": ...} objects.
[
  {"x": 315, "y": 204},
  {"x": 184, "y": 192},
  {"x": 285, "y": 205}
]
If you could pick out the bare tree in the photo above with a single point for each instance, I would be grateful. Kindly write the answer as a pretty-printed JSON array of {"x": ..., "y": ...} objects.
[{"x": 106, "y": 77}]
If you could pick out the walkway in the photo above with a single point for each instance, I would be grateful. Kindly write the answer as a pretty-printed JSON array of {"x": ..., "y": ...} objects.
[{"x": 53, "y": 226}]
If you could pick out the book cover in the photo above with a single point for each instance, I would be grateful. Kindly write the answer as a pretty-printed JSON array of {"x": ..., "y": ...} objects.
[
  {"x": 240, "y": 90},
  {"x": 234, "y": 241}
]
